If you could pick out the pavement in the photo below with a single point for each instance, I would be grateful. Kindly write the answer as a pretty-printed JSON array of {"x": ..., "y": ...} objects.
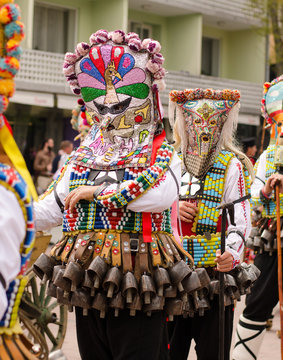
[{"x": 270, "y": 349}]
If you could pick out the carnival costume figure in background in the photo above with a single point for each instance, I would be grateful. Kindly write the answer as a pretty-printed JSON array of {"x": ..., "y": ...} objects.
[
  {"x": 81, "y": 121},
  {"x": 118, "y": 260},
  {"x": 16, "y": 193},
  {"x": 214, "y": 172},
  {"x": 264, "y": 295}
]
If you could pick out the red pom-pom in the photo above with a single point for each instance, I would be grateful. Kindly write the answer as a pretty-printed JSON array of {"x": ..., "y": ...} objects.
[{"x": 83, "y": 115}]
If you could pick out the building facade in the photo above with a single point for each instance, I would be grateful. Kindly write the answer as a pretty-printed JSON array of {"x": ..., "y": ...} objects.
[{"x": 205, "y": 43}]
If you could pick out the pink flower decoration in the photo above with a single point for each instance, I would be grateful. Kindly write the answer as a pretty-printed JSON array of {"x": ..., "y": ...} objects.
[
  {"x": 153, "y": 47},
  {"x": 145, "y": 43},
  {"x": 70, "y": 58},
  {"x": 82, "y": 49},
  {"x": 152, "y": 67},
  {"x": 134, "y": 44},
  {"x": 159, "y": 74},
  {"x": 118, "y": 36},
  {"x": 101, "y": 36},
  {"x": 158, "y": 58},
  {"x": 131, "y": 35}
]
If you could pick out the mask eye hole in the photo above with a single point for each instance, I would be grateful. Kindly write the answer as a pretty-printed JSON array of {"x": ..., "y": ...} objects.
[
  {"x": 197, "y": 121},
  {"x": 205, "y": 138},
  {"x": 212, "y": 122}
]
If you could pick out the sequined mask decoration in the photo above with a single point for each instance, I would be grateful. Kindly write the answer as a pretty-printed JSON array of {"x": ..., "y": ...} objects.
[
  {"x": 204, "y": 113},
  {"x": 118, "y": 77},
  {"x": 272, "y": 107}
]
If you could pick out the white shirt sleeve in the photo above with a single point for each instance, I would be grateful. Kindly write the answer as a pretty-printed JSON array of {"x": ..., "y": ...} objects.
[
  {"x": 13, "y": 230},
  {"x": 259, "y": 181},
  {"x": 234, "y": 190},
  {"x": 162, "y": 195},
  {"x": 47, "y": 211}
]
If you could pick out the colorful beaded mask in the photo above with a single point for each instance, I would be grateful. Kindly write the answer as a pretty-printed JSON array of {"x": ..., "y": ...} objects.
[
  {"x": 118, "y": 77},
  {"x": 272, "y": 106},
  {"x": 200, "y": 117}
]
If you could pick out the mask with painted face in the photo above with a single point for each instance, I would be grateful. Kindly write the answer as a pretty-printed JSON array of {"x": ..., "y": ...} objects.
[
  {"x": 272, "y": 108},
  {"x": 118, "y": 77},
  {"x": 200, "y": 118}
]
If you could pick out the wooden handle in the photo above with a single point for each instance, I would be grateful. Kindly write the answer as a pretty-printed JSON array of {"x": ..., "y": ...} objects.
[{"x": 279, "y": 260}]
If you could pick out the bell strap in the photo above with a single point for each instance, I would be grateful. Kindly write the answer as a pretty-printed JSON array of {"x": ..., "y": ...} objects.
[{"x": 126, "y": 250}]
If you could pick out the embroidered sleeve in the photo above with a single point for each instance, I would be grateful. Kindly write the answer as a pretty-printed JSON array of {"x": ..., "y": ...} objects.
[
  {"x": 133, "y": 189},
  {"x": 237, "y": 186}
]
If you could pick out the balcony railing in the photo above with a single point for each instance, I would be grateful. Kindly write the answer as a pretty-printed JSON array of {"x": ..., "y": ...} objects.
[{"x": 42, "y": 71}]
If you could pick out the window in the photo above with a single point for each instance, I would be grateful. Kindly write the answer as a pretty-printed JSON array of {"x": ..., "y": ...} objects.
[
  {"x": 53, "y": 28},
  {"x": 143, "y": 30},
  {"x": 210, "y": 56}
]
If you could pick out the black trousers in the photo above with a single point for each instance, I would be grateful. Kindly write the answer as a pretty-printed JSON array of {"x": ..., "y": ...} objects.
[
  {"x": 122, "y": 338},
  {"x": 264, "y": 294},
  {"x": 204, "y": 330}
]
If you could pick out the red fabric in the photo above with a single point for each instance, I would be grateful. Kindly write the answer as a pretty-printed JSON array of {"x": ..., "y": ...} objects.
[
  {"x": 146, "y": 216},
  {"x": 187, "y": 227}
]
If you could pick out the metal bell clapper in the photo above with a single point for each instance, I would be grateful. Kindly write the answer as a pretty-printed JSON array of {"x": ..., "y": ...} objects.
[
  {"x": 129, "y": 287},
  {"x": 112, "y": 281},
  {"x": 162, "y": 280},
  {"x": 204, "y": 282},
  {"x": 227, "y": 300},
  {"x": 43, "y": 267},
  {"x": 258, "y": 243},
  {"x": 157, "y": 304},
  {"x": 100, "y": 303},
  {"x": 63, "y": 300},
  {"x": 203, "y": 305},
  {"x": 192, "y": 283},
  {"x": 81, "y": 298},
  {"x": 88, "y": 283},
  {"x": 250, "y": 243},
  {"x": 213, "y": 288},
  {"x": 135, "y": 305},
  {"x": 173, "y": 307},
  {"x": 188, "y": 308},
  {"x": 118, "y": 303},
  {"x": 170, "y": 292},
  {"x": 51, "y": 290},
  {"x": 230, "y": 286},
  {"x": 147, "y": 288},
  {"x": 74, "y": 272},
  {"x": 61, "y": 282},
  {"x": 178, "y": 273},
  {"x": 97, "y": 270}
]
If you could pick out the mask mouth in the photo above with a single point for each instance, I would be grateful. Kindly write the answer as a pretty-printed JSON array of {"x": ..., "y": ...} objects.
[{"x": 114, "y": 109}]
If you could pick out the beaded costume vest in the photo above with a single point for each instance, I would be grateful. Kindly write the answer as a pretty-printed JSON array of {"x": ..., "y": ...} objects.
[
  {"x": 12, "y": 181},
  {"x": 203, "y": 245},
  {"x": 269, "y": 208},
  {"x": 89, "y": 216}
]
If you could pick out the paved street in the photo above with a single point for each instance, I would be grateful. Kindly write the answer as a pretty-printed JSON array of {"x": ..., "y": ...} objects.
[{"x": 269, "y": 350}]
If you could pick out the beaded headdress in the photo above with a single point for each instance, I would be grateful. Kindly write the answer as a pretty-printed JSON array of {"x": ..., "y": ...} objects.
[
  {"x": 118, "y": 77},
  {"x": 200, "y": 119},
  {"x": 272, "y": 106}
]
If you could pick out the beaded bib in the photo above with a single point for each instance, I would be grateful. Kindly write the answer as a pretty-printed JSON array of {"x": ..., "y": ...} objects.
[
  {"x": 109, "y": 212},
  {"x": 12, "y": 181},
  {"x": 203, "y": 248},
  {"x": 269, "y": 208}
]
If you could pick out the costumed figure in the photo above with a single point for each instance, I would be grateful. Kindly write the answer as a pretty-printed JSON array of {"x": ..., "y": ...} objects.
[
  {"x": 16, "y": 193},
  {"x": 263, "y": 237},
  {"x": 118, "y": 260},
  {"x": 214, "y": 172},
  {"x": 81, "y": 121}
]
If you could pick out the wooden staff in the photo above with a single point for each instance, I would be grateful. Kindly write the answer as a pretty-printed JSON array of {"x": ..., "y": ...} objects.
[
  {"x": 279, "y": 260},
  {"x": 262, "y": 137}
]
